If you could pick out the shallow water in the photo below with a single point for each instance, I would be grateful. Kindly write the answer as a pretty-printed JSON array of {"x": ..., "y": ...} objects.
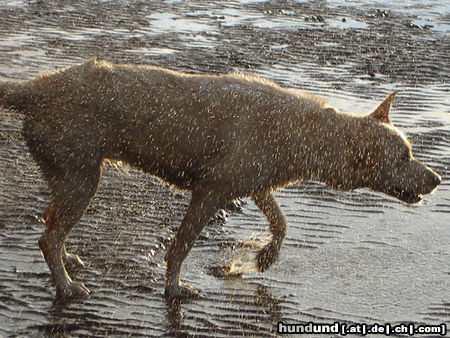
[{"x": 348, "y": 257}]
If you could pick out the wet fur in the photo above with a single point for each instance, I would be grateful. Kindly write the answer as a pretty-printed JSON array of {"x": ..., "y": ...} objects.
[{"x": 218, "y": 136}]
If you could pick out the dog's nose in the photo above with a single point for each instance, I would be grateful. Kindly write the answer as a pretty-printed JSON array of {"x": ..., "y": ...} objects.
[{"x": 437, "y": 179}]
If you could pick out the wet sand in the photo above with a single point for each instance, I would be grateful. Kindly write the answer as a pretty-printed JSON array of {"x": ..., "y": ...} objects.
[{"x": 348, "y": 257}]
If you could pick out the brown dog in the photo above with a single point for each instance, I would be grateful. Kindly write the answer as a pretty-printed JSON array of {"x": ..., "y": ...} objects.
[{"x": 221, "y": 137}]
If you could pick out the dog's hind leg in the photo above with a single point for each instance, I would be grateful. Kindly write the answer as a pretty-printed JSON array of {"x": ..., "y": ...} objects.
[
  {"x": 202, "y": 207},
  {"x": 70, "y": 260},
  {"x": 72, "y": 193},
  {"x": 278, "y": 227}
]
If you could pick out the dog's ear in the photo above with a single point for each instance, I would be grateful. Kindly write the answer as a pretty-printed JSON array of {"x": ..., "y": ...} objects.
[{"x": 382, "y": 112}]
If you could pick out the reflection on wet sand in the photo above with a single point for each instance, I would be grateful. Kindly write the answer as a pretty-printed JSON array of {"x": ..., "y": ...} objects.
[{"x": 259, "y": 311}]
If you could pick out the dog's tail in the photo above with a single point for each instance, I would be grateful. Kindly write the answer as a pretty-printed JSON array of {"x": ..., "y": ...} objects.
[{"x": 12, "y": 94}]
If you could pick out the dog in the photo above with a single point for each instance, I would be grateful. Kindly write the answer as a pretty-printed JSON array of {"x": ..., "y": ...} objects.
[{"x": 218, "y": 136}]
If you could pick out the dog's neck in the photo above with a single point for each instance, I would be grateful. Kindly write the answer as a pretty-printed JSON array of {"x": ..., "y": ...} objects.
[{"x": 325, "y": 145}]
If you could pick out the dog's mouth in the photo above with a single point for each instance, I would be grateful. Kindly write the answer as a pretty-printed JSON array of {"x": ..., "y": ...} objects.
[{"x": 406, "y": 196}]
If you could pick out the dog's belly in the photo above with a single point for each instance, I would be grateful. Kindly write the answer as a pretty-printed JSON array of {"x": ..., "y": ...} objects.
[{"x": 169, "y": 152}]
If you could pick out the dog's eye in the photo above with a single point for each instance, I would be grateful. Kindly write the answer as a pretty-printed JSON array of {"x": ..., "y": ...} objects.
[{"x": 405, "y": 157}]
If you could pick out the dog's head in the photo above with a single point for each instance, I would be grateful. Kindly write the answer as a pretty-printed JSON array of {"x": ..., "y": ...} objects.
[{"x": 383, "y": 159}]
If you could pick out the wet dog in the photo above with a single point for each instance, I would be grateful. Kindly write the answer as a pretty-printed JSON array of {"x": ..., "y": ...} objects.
[{"x": 218, "y": 136}]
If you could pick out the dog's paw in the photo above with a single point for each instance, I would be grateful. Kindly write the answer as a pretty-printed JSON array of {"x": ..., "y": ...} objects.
[
  {"x": 75, "y": 290},
  {"x": 72, "y": 261},
  {"x": 266, "y": 257},
  {"x": 182, "y": 291}
]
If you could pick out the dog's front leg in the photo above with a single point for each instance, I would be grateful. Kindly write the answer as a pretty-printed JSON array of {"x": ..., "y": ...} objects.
[
  {"x": 202, "y": 207},
  {"x": 278, "y": 227}
]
